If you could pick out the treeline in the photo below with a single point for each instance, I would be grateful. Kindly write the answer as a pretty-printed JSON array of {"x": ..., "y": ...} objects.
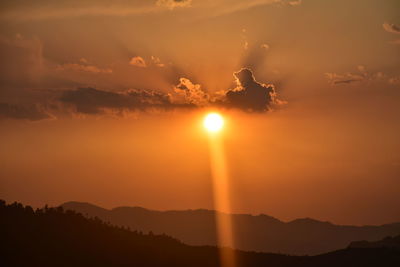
[{"x": 54, "y": 237}]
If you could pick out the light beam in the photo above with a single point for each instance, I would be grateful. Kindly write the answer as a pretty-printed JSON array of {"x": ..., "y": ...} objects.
[{"x": 214, "y": 122}]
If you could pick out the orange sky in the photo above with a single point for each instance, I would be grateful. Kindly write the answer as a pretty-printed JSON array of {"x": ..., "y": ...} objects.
[{"x": 326, "y": 146}]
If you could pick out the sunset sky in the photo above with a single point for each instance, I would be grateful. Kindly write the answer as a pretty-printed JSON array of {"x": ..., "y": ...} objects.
[{"x": 102, "y": 101}]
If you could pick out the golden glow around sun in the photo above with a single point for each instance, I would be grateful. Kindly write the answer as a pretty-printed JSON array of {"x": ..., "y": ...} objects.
[{"x": 213, "y": 122}]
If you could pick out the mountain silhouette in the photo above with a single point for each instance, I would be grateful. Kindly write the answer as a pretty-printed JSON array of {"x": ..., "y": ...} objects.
[
  {"x": 55, "y": 237},
  {"x": 252, "y": 233},
  {"x": 387, "y": 242}
]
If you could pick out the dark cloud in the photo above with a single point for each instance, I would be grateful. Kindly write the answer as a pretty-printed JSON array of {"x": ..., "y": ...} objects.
[
  {"x": 250, "y": 95},
  {"x": 345, "y": 81},
  {"x": 94, "y": 101},
  {"x": 32, "y": 112}
]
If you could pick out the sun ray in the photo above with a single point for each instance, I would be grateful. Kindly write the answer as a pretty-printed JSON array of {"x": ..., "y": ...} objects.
[{"x": 214, "y": 123}]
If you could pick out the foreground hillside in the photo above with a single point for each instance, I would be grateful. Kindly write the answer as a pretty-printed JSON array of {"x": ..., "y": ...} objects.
[
  {"x": 53, "y": 237},
  {"x": 252, "y": 233}
]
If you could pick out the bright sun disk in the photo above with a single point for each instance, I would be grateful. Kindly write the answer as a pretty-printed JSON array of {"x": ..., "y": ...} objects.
[{"x": 213, "y": 122}]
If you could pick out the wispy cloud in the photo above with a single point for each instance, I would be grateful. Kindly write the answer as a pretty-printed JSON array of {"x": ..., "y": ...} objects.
[
  {"x": 226, "y": 7},
  {"x": 265, "y": 47},
  {"x": 188, "y": 92},
  {"x": 361, "y": 75},
  {"x": 392, "y": 28},
  {"x": 138, "y": 62},
  {"x": 47, "y": 9},
  {"x": 157, "y": 62},
  {"x": 54, "y": 12},
  {"x": 83, "y": 66},
  {"x": 31, "y": 112},
  {"x": 294, "y": 2},
  {"x": 171, "y": 4}
]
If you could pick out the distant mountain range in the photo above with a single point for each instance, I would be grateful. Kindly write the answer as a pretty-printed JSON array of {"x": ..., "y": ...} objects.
[
  {"x": 388, "y": 242},
  {"x": 252, "y": 233},
  {"x": 55, "y": 237}
]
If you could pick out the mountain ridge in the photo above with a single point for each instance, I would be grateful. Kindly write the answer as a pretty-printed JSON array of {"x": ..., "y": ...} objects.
[
  {"x": 58, "y": 237},
  {"x": 213, "y": 211},
  {"x": 264, "y": 233}
]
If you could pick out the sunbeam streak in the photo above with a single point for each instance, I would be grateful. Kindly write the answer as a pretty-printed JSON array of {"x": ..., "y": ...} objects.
[{"x": 214, "y": 122}]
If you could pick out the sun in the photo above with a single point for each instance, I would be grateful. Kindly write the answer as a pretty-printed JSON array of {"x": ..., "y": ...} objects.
[{"x": 213, "y": 122}]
